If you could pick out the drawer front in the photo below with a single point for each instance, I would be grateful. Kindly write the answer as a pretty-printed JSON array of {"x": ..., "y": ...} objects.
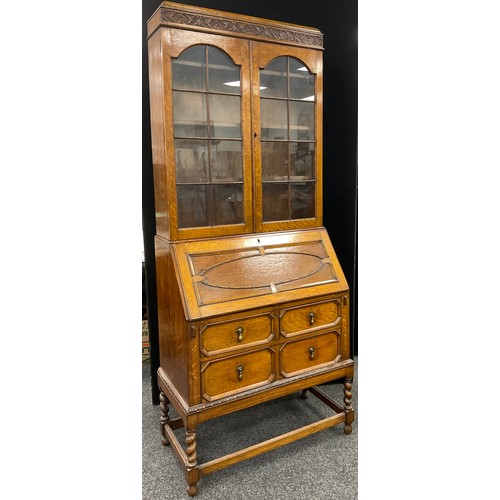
[
  {"x": 238, "y": 373},
  {"x": 297, "y": 320},
  {"x": 302, "y": 355},
  {"x": 229, "y": 335}
]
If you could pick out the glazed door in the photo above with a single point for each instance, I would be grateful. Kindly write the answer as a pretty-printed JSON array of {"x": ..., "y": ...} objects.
[
  {"x": 287, "y": 133},
  {"x": 208, "y": 135}
]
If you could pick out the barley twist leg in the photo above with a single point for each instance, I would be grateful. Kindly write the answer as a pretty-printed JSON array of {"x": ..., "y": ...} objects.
[
  {"x": 347, "y": 405},
  {"x": 192, "y": 463},
  {"x": 164, "y": 418}
]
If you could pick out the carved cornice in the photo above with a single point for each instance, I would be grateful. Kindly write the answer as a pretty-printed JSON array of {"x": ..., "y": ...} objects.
[{"x": 225, "y": 25}]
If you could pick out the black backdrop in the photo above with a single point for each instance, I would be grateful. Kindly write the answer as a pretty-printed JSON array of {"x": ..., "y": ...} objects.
[{"x": 337, "y": 20}]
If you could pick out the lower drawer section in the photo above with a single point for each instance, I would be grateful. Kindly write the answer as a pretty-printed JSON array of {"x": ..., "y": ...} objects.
[
  {"x": 302, "y": 355},
  {"x": 232, "y": 375}
]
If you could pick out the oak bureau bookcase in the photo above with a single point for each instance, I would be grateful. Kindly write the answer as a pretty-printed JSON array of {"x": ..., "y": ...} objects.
[{"x": 252, "y": 302}]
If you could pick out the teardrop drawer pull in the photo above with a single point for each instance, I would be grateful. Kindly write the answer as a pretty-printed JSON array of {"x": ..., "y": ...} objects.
[
  {"x": 311, "y": 318},
  {"x": 239, "y": 332},
  {"x": 311, "y": 352},
  {"x": 239, "y": 369}
]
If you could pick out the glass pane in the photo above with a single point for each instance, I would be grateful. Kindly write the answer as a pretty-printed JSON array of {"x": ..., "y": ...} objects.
[
  {"x": 302, "y": 200},
  {"x": 192, "y": 206},
  {"x": 228, "y": 201},
  {"x": 225, "y": 116},
  {"x": 273, "y": 119},
  {"x": 273, "y": 79},
  {"x": 302, "y": 160},
  {"x": 274, "y": 202},
  {"x": 190, "y": 115},
  {"x": 223, "y": 74},
  {"x": 275, "y": 160},
  {"x": 301, "y": 121},
  {"x": 301, "y": 81},
  {"x": 226, "y": 161},
  {"x": 189, "y": 70},
  {"x": 191, "y": 160}
]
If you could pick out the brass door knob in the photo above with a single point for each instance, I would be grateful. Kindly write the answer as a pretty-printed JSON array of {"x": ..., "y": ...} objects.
[
  {"x": 239, "y": 370},
  {"x": 239, "y": 332},
  {"x": 311, "y": 352}
]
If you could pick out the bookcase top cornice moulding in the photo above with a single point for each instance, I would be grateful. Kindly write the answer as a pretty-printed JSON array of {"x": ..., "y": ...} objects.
[{"x": 175, "y": 15}]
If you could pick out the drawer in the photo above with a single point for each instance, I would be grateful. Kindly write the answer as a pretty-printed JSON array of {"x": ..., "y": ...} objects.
[
  {"x": 224, "y": 336},
  {"x": 302, "y": 355},
  {"x": 300, "y": 319},
  {"x": 231, "y": 375}
]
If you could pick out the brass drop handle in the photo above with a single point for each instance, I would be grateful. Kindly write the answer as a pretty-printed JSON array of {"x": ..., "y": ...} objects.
[
  {"x": 311, "y": 318},
  {"x": 239, "y": 332},
  {"x": 311, "y": 352},
  {"x": 239, "y": 370}
]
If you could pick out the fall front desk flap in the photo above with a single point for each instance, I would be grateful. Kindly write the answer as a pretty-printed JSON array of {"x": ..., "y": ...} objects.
[{"x": 227, "y": 275}]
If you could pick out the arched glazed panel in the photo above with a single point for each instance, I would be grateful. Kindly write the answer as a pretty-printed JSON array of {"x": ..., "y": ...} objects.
[{"x": 288, "y": 138}]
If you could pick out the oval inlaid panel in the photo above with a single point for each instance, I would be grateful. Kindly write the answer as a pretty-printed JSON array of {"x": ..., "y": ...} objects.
[{"x": 256, "y": 271}]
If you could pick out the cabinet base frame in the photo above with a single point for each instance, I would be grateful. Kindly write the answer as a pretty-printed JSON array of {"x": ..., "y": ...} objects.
[{"x": 195, "y": 471}]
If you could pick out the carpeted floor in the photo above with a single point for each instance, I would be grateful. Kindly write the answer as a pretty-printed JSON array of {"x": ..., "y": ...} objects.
[{"x": 321, "y": 466}]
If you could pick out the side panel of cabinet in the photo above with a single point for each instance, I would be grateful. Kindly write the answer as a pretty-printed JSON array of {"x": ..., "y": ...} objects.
[
  {"x": 157, "y": 113},
  {"x": 264, "y": 54},
  {"x": 174, "y": 334},
  {"x": 174, "y": 43}
]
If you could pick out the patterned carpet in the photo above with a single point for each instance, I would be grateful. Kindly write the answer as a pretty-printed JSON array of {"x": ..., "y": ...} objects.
[{"x": 145, "y": 340}]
